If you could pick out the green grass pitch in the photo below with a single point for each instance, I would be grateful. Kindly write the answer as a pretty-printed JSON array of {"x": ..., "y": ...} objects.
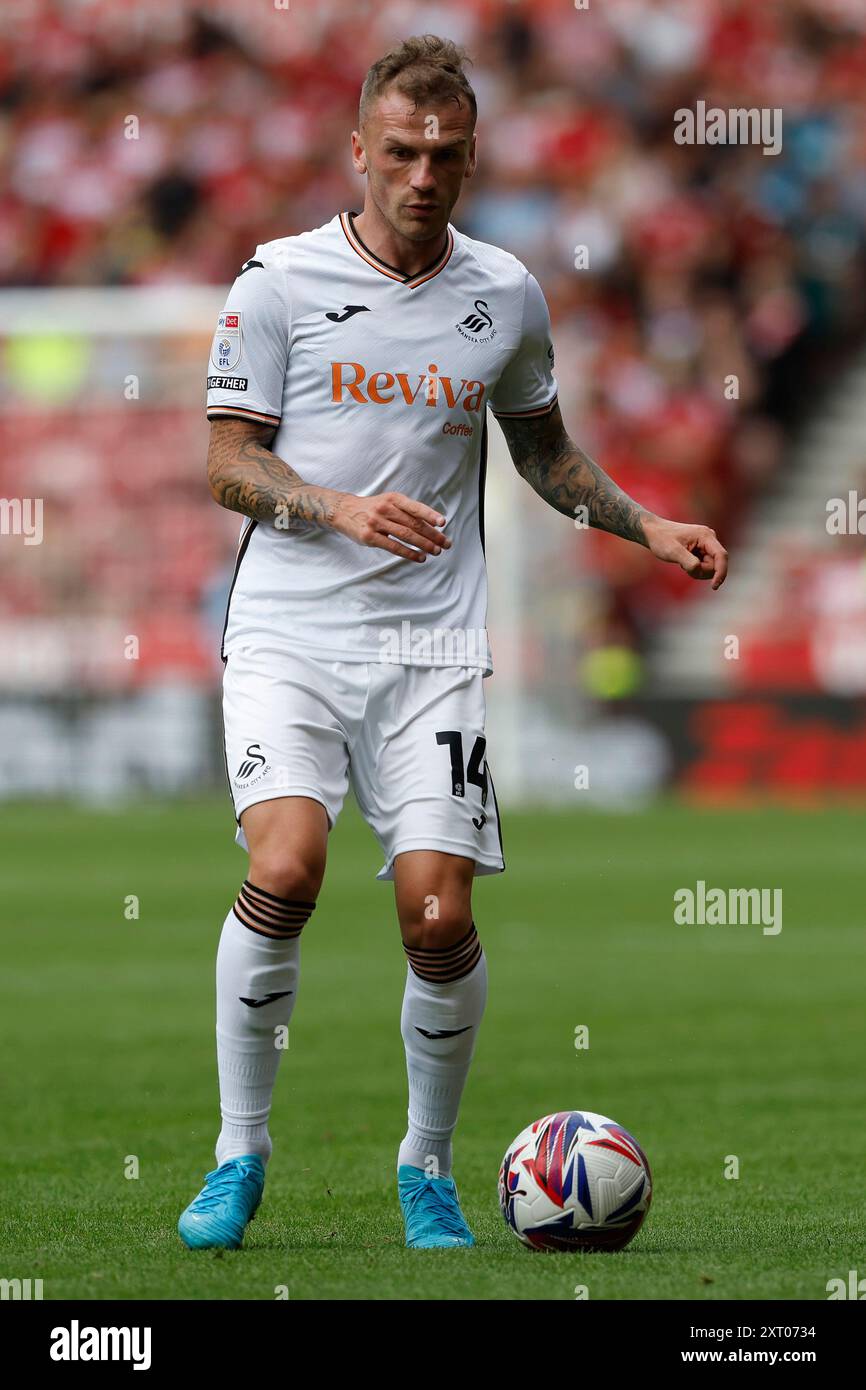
[{"x": 704, "y": 1041}]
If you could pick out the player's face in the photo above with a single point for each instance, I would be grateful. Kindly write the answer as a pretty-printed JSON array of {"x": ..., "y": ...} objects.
[{"x": 415, "y": 161}]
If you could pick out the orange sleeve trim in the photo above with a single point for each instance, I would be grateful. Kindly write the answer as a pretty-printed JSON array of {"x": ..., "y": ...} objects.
[
  {"x": 217, "y": 412},
  {"x": 525, "y": 414}
]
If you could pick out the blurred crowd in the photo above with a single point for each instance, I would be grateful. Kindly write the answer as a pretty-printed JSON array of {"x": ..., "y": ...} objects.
[{"x": 701, "y": 294}]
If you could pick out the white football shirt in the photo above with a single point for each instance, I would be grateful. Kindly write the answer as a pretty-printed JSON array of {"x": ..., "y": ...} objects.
[{"x": 376, "y": 382}]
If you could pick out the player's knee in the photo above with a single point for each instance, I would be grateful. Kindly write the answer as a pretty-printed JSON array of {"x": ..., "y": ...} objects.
[
  {"x": 421, "y": 932},
  {"x": 287, "y": 840},
  {"x": 287, "y": 875},
  {"x": 448, "y": 962}
]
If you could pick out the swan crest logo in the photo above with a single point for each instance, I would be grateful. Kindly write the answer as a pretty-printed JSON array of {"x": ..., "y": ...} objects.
[{"x": 475, "y": 324}]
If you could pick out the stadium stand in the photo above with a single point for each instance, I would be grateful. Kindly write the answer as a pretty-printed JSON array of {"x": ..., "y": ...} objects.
[{"x": 155, "y": 145}]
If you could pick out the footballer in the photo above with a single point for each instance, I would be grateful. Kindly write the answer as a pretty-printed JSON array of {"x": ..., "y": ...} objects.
[{"x": 350, "y": 377}]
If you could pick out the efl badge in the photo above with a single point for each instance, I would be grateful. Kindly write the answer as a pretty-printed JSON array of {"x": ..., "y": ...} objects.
[{"x": 226, "y": 350}]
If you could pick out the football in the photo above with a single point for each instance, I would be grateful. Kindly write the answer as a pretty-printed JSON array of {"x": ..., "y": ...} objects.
[{"x": 575, "y": 1181}]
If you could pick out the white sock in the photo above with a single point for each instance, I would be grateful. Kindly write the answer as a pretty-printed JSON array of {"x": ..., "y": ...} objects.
[
  {"x": 437, "y": 1067},
  {"x": 253, "y": 964}
]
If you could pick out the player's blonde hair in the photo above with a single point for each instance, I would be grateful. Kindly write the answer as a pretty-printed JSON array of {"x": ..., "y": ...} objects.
[{"x": 424, "y": 69}]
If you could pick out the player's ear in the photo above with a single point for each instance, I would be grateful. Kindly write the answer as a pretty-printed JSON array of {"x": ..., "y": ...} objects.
[
  {"x": 359, "y": 159},
  {"x": 470, "y": 167}
]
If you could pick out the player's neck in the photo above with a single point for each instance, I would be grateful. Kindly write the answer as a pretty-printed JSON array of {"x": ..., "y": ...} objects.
[{"x": 407, "y": 256}]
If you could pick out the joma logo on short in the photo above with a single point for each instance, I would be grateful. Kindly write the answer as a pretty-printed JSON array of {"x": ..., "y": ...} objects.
[{"x": 349, "y": 381}]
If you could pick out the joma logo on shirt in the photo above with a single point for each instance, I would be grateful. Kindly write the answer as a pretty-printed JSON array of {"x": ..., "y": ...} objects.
[{"x": 349, "y": 381}]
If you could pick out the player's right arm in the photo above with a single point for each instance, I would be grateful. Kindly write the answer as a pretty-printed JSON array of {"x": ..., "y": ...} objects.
[
  {"x": 246, "y": 477},
  {"x": 246, "y": 384}
]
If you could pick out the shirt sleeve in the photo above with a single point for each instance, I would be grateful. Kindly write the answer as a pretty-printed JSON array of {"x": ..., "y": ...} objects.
[
  {"x": 527, "y": 386},
  {"x": 250, "y": 350}
]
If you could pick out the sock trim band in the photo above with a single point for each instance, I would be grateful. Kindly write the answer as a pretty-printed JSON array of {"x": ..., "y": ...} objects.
[
  {"x": 263, "y": 893},
  {"x": 445, "y": 964},
  {"x": 268, "y": 915},
  {"x": 436, "y": 951}
]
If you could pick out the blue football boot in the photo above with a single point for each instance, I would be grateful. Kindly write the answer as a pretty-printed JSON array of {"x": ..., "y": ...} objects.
[
  {"x": 218, "y": 1216},
  {"x": 431, "y": 1211}
]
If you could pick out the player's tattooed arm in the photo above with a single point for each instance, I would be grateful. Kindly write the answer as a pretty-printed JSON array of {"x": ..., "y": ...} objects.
[
  {"x": 568, "y": 479},
  {"x": 246, "y": 477}
]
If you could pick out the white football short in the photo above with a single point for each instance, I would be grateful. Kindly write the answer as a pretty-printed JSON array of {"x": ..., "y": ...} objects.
[{"x": 410, "y": 738}]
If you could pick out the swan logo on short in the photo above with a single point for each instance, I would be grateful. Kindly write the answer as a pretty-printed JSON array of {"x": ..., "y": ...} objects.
[{"x": 255, "y": 758}]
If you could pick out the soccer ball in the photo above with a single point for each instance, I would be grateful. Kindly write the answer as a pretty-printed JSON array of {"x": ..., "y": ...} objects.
[{"x": 575, "y": 1181}]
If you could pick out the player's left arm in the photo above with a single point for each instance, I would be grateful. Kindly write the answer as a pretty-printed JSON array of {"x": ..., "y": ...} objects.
[{"x": 568, "y": 479}]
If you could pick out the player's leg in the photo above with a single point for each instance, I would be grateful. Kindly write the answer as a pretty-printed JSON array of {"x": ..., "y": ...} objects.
[
  {"x": 423, "y": 787},
  {"x": 288, "y": 786},
  {"x": 443, "y": 1004},
  {"x": 443, "y": 1000},
  {"x": 258, "y": 963}
]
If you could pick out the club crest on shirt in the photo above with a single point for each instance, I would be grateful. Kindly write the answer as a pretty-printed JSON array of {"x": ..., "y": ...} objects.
[
  {"x": 226, "y": 350},
  {"x": 475, "y": 325}
]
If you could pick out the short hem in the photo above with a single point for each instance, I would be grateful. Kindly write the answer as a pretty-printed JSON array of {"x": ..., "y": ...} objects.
[
  {"x": 277, "y": 794},
  {"x": 483, "y": 865}
]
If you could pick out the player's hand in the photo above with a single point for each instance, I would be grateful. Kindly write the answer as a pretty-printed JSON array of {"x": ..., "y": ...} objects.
[
  {"x": 696, "y": 549},
  {"x": 387, "y": 520}
]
